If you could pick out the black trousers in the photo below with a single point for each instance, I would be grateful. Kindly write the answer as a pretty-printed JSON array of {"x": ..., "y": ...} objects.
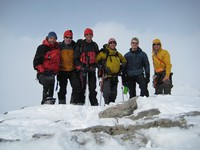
[
  {"x": 163, "y": 87},
  {"x": 140, "y": 79},
  {"x": 110, "y": 89},
  {"x": 89, "y": 78},
  {"x": 48, "y": 81},
  {"x": 73, "y": 77}
]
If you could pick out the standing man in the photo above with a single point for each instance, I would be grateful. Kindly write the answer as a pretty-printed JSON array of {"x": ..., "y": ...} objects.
[
  {"x": 46, "y": 62},
  {"x": 137, "y": 70},
  {"x": 85, "y": 62},
  {"x": 111, "y": 62},
  {"x": 67, "y": 70},
  {"x": 162, "y": 67}
]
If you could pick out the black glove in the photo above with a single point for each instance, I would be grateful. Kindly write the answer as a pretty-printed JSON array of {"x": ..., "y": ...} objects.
[
  {"x": 123, "y": 70},
  {"x": 123, "y": 66},
  {"x": 124, "y": 79},
  {"x": 147, "y": 77},
  {"x": 85, "y": 69}
]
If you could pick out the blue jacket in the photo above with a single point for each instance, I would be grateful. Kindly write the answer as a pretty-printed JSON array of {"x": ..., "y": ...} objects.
[{"x": 137, "y": 62}]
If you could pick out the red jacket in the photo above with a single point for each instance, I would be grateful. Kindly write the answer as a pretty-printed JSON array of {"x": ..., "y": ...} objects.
[{"x": 47, "y": 57}]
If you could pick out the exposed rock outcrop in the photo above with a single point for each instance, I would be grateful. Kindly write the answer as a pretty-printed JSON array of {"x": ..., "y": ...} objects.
[
  {"x": 145, "y": 114},
  {"x": 120, "y": 110},
  {"x": 121, "y": 129}
]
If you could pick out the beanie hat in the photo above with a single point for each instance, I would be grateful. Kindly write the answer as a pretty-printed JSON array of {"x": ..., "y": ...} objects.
[
  {"x": 68, "y": 33},
  {"x": 112, "y": 40},
  {"x": 156, "y": 41},
  {"x": 52, "y": 34},
  {"x": 88, "y": 31}
]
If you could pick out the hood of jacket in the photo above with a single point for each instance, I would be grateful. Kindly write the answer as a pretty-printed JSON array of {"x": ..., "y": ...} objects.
[
  {"x": 46, "y": 42},
  {"x": 137, "y": 51},
  {"x": 156, "y": 41},
  {"x": 112, "y": 51}
]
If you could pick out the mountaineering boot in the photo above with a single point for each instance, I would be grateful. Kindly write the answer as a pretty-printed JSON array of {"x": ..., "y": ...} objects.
[{"x": 50, "y": 100}]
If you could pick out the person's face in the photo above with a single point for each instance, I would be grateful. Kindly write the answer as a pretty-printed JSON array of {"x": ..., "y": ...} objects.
[
  {"x": 156, "y": 46},
  {"x": 68, "y": 39},
  {"x": 134, "y": 44},
  {"x": 88, "y": 37},
  {"x": 52, "y": 40},
  {"x": 112, "y": 45}
]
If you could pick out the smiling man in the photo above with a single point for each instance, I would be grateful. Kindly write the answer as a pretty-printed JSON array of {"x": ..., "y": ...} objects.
[
  {"x": 162, "y": 67},
  {"x": 138, "y": 69},
  {"x": 67, "y": 70},
  {"x": 46, "y": 62},
  {"x": 85, "y": 61}
]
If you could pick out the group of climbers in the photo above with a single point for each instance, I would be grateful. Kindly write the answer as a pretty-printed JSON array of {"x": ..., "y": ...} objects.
[{"x": 77, "y": 63}]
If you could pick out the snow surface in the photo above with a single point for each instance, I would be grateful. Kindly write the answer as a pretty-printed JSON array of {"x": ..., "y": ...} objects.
[{"x": 53, "y": 124}]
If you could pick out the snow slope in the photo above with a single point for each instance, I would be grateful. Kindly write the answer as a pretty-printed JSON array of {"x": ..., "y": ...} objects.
[{"x": 51, "y": 126}]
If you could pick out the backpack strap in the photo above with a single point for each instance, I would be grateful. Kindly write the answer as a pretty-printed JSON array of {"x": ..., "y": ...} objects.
[
  {"x": 108, "y": 54},
  {"x": 80, "y": 42},
  {"x": 160, "y": 60}
]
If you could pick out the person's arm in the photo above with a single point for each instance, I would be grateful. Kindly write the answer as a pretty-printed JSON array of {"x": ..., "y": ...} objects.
[
  {"x": 77, "y": 55},
  {"x": 168, "y": 65},
  {"x": 39, "y": 59},
  {"x": 147, "y": 68}
]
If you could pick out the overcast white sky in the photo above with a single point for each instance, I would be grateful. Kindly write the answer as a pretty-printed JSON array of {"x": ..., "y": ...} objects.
[{"x": 25, "y": 23}]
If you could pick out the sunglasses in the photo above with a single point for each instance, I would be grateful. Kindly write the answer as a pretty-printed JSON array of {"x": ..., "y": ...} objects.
[
  {"x": 67, "y": 37},
  {"x": 88, "y": 34},
  {"x": 157, "y": 44},
  {"x": 112, "y": 43},
  {"x": 134, "y": 42}
]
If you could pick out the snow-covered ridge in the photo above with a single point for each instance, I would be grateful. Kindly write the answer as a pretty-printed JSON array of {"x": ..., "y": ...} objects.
[{"x": 52, "y": 127}]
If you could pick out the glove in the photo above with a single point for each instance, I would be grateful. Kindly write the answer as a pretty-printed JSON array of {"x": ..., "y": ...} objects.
[
  {"x": 125, "y": 91},
  {"x": 40, "y": 68},
  {"x": 84, "y": 69},
  {"x": 124, "y": 79},
  {"x": 123, "y": 66},
  {"x": 147, "y": 77}
]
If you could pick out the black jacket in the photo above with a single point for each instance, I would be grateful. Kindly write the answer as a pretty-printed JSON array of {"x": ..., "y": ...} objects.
[{"x": 84, "y": 49}]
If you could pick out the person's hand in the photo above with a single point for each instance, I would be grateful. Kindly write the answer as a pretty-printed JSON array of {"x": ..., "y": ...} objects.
[
  {"x": 165, "y": 78},
  {"x": 40, "y": 68},
  {"x": 124, "y": 79},
  {"x": 147, "y": 78},
  {"x": 85, "y": 69}
]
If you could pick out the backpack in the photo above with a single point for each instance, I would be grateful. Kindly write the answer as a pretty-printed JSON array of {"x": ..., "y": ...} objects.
[
  {"x": 111, "y": 64},
  {"x": 87, "y": 57}
]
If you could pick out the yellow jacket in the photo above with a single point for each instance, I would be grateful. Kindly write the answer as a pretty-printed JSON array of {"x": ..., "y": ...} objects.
[
  {"x": 113, "y": 60},
  {"x": 161, "y": 60},
  {"x": 67, "y": 56}
]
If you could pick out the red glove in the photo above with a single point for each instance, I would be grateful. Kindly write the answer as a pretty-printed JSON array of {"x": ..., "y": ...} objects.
[
  {"x": 78, "y": 67},
  {"x": 40, "y": 68}
]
